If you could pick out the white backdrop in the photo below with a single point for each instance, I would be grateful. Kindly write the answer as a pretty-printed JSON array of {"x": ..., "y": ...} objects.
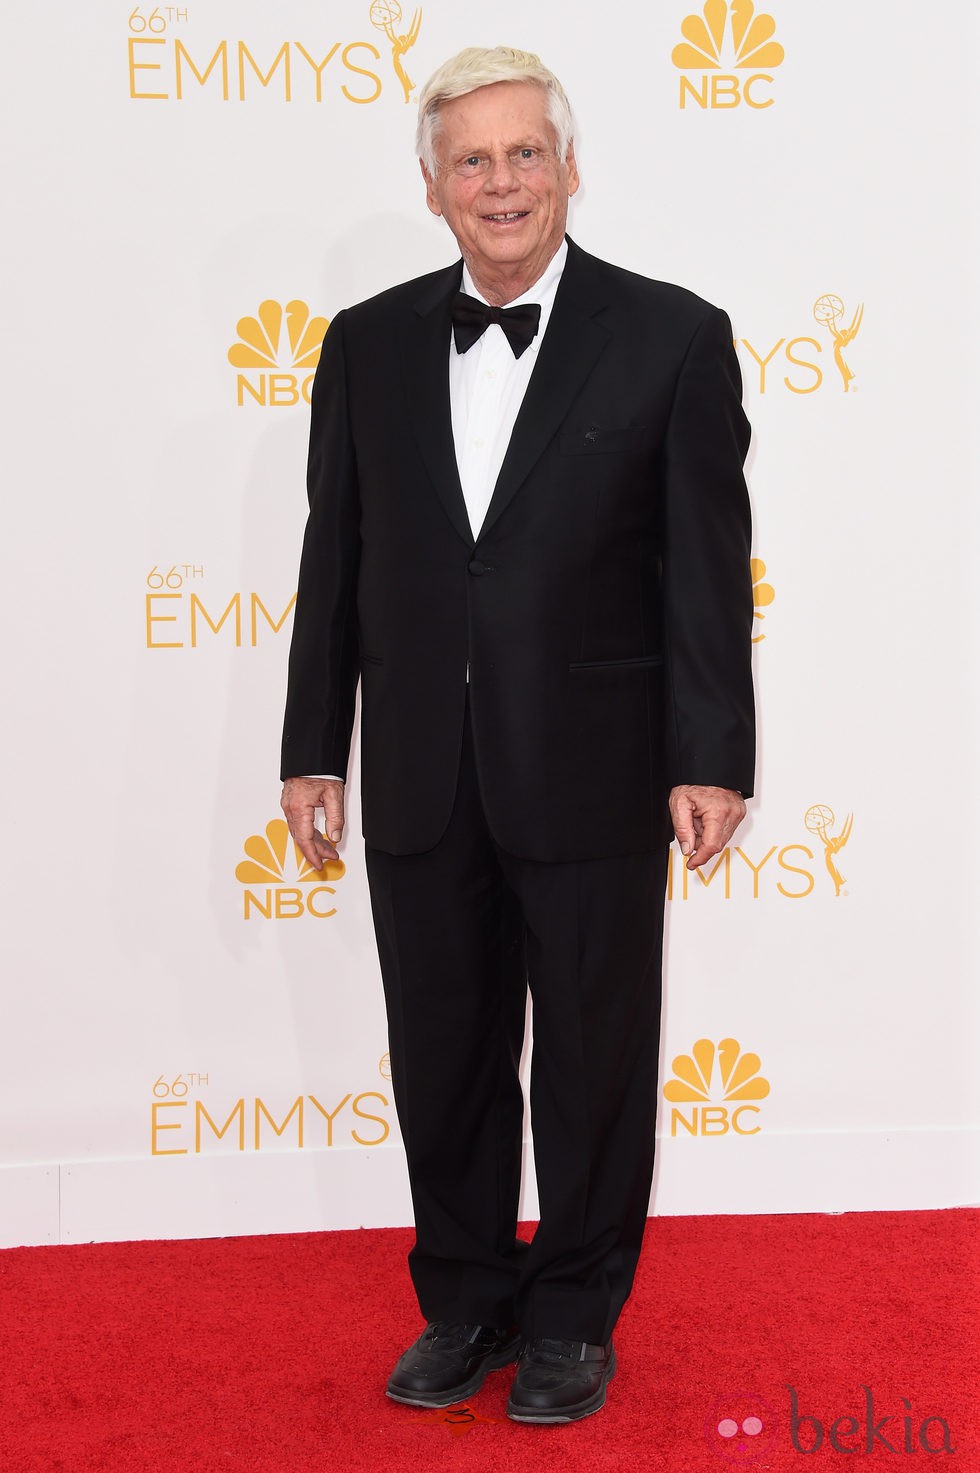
[{"x": 193, "y": 1036}]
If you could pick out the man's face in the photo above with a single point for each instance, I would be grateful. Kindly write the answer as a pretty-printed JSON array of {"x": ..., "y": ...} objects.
[{"x": 499, "y": 184}]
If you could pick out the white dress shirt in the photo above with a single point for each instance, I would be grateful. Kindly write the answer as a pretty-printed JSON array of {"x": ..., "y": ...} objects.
[
  {"x": 486, "y": 390},
  {"x": 487, "y": 385}
]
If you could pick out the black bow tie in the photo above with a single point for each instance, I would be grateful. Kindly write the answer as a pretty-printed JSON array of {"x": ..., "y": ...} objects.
[{"x": 472, "y": 318}]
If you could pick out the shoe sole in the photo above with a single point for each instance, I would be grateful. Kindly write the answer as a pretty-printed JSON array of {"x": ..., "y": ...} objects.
[
  {"x": 438, "y": 1399},
  {"x": 566, "y": 1414}
]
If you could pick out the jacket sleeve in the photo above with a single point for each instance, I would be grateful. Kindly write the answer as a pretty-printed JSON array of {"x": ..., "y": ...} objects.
[
  {"x": 707, "y": 584},
  {"x": 323, "y": 655}
]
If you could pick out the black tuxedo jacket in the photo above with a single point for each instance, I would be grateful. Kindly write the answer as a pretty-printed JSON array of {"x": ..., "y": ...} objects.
[{"x": 604, "y": 611}]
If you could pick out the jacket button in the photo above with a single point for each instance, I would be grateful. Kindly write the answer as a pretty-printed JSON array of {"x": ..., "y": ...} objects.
[{"x": 477, "y": 568}]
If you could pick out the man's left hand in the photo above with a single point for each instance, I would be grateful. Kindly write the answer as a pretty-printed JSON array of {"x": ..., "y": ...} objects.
[{"x": 704, "y": 820}]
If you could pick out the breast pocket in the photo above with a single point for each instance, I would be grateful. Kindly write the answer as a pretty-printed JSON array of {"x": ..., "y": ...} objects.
[{"x": 597, "y": 440}]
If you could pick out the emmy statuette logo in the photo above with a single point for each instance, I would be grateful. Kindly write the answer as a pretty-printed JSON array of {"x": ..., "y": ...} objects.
[
  {"x": 759, "y": 872},
  {"x": 819, "y": 820},
  {"x": 733, "y": 37},
  {"x": 287, "y": 885},
  {"x": 828, "y": 310},
  {"x": 801, "y": 362},
  {"x": 719, "y": 1097},
  {"x": 262, "y": 344},
  {"x": 386, "y": 16}
]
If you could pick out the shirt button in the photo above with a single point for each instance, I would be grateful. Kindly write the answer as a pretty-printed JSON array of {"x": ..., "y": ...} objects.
[{"x": 479, "y": 444}]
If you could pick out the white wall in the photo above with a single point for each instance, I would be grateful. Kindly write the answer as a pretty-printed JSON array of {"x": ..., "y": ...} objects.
[{"x": 139, "y": 763}]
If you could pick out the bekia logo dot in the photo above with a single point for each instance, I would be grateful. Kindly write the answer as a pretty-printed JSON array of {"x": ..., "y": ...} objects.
[{"x": 740, "y": 1426}]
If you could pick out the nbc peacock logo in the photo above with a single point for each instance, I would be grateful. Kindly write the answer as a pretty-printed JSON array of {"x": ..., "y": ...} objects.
[
  {"x": 287, "y": 885},
  {"x": 283, "y": 343},
  {"x": 726, "y": 39},
  {"x": 763, "y": 594},
  {"x": 719, "y": 1085}
]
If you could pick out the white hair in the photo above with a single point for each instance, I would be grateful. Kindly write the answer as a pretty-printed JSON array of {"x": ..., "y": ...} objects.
[{"x": 482, "y": 66}]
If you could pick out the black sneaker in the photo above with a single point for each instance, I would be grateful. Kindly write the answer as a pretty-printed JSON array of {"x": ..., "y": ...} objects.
[
  {"x": 560, "y": 1380},
  {"x": 448, "y": 1363}
]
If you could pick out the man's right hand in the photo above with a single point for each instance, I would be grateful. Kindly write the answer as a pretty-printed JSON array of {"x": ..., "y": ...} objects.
[{"x": 301, "y": 797}]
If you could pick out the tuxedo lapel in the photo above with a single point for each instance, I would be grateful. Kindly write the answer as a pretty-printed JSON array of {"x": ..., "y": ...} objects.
[
  {"x": 572, "y": 344},
  {"x": 425, "y": 364}
]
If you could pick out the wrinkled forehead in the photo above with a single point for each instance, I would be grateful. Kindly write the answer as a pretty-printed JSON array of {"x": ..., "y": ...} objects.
[{"x": 501, "y": 115}]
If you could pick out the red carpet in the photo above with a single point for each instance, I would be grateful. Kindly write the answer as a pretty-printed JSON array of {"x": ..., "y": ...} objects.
[{"x": 269, "y": 1354}]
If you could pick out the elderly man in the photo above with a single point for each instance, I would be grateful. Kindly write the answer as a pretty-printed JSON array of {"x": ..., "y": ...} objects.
[{"x": 529, "y": 539}]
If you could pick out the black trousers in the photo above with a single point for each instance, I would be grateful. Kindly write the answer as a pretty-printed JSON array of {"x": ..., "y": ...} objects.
[{"x": 463, "y": 930}]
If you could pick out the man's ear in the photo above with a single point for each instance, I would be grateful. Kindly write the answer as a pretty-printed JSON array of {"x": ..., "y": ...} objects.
[
  {"x": 572, "y": 167},
  {"x": 430, "y": 195}
]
